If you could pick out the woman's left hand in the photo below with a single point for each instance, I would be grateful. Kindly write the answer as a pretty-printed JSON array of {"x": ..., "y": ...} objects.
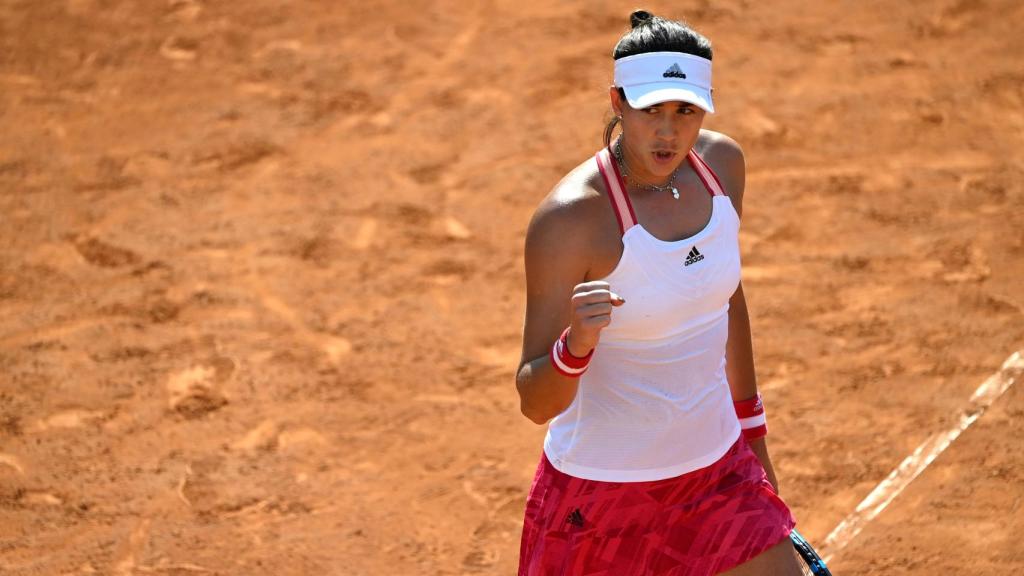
[{"x": 760, "y": 448}]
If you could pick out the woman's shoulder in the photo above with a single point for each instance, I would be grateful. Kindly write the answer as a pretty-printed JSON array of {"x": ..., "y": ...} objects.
[
  {"x": 726, "y": 159},
  {"x": 576, "y": 202},
  {"x": 717, "y": 148}
]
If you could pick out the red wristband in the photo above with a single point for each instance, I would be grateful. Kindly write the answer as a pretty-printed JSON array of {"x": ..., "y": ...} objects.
[
  {"x": 752, "y": 418},
  {"x": 564, "y": 361}
]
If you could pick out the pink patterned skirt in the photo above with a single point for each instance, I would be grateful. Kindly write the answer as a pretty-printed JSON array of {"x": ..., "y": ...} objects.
[{"x": 700, "y": 523}]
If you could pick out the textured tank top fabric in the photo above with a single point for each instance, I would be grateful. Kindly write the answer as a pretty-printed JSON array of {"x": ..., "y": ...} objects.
[{"x": 655, "y": 402}]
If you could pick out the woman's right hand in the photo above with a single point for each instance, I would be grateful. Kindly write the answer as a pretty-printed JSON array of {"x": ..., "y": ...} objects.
[{"x": 592, "y": 304}]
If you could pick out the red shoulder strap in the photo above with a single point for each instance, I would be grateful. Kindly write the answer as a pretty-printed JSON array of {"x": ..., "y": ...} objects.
[
  {"x": 707, "y": 175},
  {"x": 616, "y": 191}
]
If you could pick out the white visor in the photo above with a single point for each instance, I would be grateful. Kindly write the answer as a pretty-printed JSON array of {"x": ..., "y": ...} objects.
[{"x": 656, "y": 77}]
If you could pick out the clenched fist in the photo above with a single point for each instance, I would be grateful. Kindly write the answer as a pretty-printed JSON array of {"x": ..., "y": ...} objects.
[{"x": 592, "y": 304}]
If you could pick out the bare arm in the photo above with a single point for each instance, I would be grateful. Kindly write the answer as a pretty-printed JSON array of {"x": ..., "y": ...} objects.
[
  {"x": 727, "y": 157},
  {"x": 558, "y": 248},
  {"x": 739, "y": 368}
]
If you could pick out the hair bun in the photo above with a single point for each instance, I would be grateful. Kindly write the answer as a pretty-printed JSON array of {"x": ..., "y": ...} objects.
[{"x": 639, "y": 17}]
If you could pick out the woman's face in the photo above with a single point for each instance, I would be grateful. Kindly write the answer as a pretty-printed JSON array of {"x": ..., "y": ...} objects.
[{"x": 657, "y": 139}]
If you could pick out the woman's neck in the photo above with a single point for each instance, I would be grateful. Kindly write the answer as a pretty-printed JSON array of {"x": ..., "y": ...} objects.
[{"x": 634, "y": 171}]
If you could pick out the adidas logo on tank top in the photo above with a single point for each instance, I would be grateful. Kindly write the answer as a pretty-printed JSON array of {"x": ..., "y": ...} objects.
[{"x": 693, "y": 256}]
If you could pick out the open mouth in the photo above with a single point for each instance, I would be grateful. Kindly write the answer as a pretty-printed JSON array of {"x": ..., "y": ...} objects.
[{"x": 664, "y": 155}]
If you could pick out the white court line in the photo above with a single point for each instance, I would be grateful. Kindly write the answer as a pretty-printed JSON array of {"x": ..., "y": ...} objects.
[{"x": 927, "y": 452}]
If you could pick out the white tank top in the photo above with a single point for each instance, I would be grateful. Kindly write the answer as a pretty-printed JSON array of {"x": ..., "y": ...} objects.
[{"x": 655, "y": 402}]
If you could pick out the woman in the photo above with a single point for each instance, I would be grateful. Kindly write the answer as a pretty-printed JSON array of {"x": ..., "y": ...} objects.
[{"x": 637, "y": 345}]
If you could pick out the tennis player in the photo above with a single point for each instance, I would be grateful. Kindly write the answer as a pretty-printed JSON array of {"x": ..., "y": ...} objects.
[{"x": 637, "y": 346}]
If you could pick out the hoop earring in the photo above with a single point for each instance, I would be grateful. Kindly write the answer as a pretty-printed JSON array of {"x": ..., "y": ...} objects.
[{"x": 609, "y": 128}]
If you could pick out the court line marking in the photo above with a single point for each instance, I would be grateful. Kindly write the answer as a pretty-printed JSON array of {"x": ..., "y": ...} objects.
[{"x": 886, "y": 491}]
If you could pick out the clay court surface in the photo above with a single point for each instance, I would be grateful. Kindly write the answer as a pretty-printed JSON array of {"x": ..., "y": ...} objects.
[{"x": 261, "y": 283}]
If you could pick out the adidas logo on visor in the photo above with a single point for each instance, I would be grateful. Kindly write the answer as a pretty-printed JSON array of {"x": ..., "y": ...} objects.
[
  {"x": 674, "y": 71},
  {"x": 693, "y": 256}
]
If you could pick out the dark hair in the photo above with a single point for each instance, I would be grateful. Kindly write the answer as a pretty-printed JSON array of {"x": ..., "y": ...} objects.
[{"x": 652, "y": 33}]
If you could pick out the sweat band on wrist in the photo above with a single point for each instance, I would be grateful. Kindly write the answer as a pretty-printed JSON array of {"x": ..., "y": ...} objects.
[
  {"x": 752, "y": 419},
  {"x": 564, "y": 361}
]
